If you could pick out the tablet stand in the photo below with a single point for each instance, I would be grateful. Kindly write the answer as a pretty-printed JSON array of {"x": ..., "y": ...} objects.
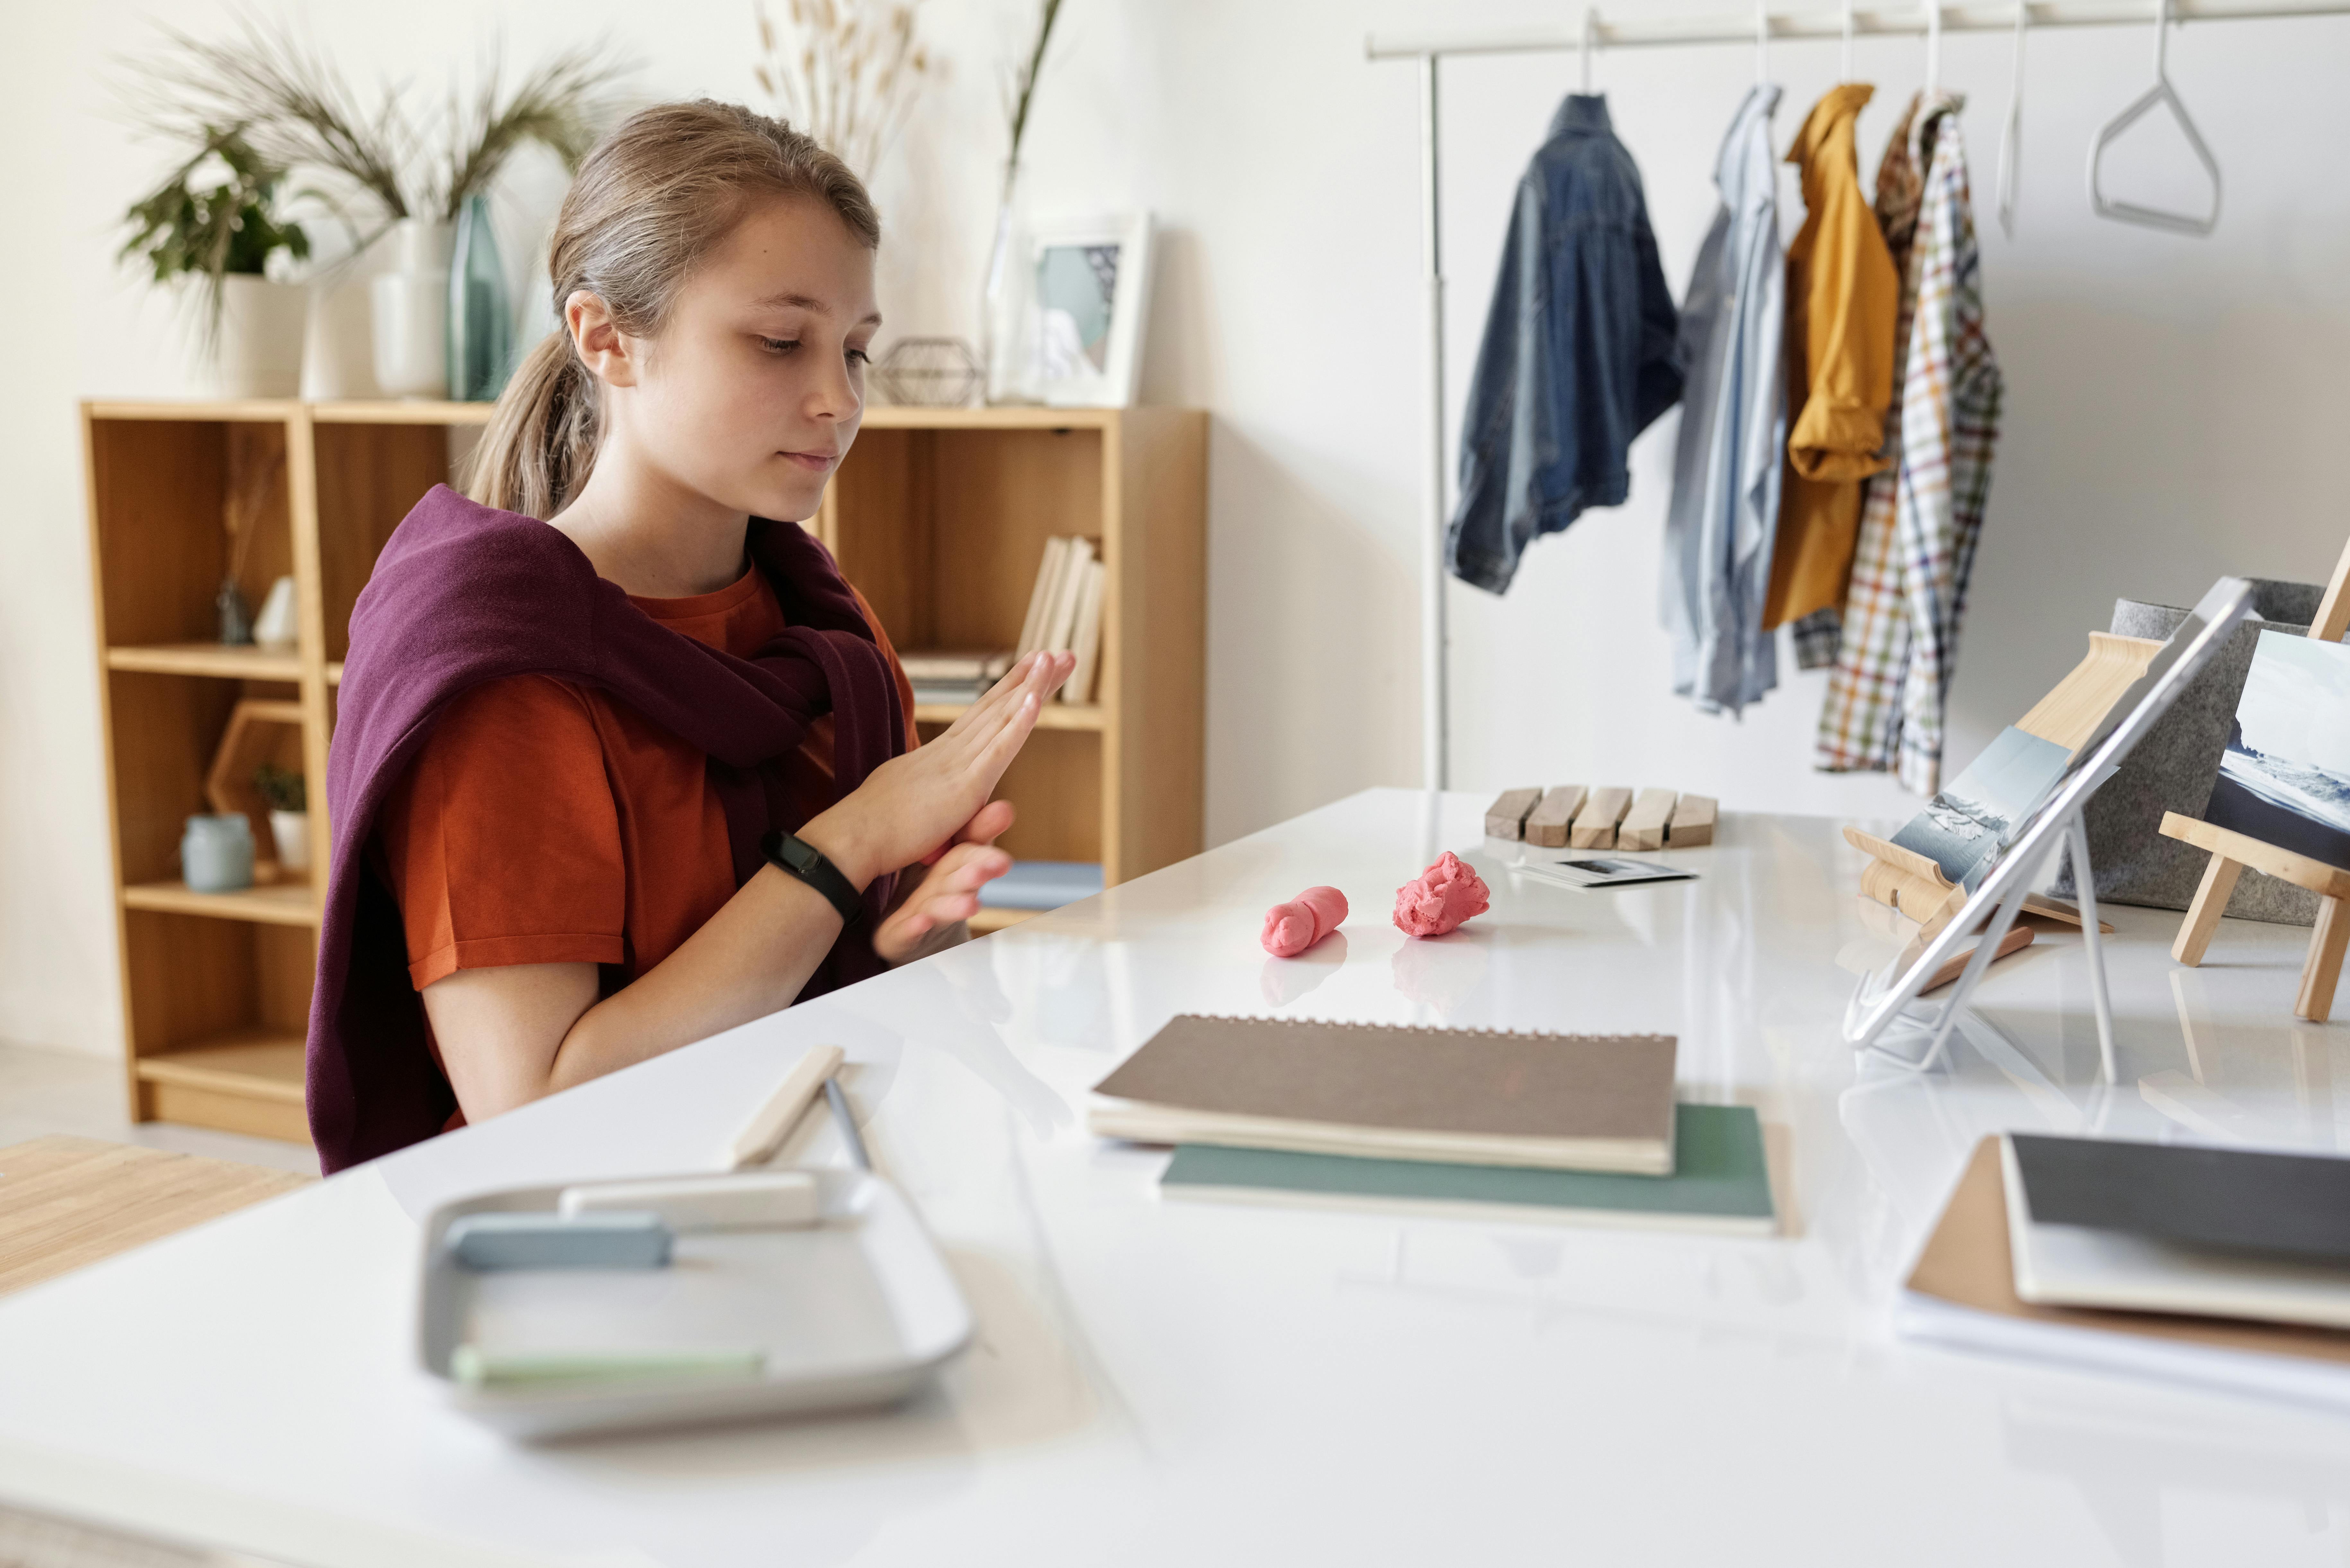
[{"x": 2075, "y": 833}]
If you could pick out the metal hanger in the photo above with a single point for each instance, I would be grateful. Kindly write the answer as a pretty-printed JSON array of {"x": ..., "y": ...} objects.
[
  {"x": 2010, "y": 135},
  {"x": 1933, "y": 48},
  {"x": 2160, "y": 94},
  {"x": 1847, "y": 41},
  {"x": 1762, "y": 43},
  {"x": 1590, "y": 44}
]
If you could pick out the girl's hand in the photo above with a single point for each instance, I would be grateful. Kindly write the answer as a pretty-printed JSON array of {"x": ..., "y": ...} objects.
[
  {"x": 910, "y": 805},
  {"x": 948, "y": 892}
]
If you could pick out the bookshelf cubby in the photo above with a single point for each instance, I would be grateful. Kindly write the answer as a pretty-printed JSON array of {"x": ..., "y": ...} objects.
[{"x": 938, "y": 516}]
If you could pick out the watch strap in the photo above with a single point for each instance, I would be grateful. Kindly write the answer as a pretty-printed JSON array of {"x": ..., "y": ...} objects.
[{"x": 798, "y": 858}]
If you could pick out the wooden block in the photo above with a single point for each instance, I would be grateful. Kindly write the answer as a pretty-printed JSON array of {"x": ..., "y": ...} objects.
[
  {"x": 67, "y": 1202},
  {"x": 1507, "y": 816},
  {"x": 2018, "y": 937},
  {"x": 1548, "y": 823},
  {"x": 1644, "y": 824},
  {"x": 1692, "y": 823},
  {"x": 2069, "y": 715},
  {"x": 1594, "y": 824},
  {"x": 2325, "y": 966}
]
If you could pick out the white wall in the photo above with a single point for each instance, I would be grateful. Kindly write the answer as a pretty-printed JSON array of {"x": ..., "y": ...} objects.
[{"x": 2174, "y": 407}]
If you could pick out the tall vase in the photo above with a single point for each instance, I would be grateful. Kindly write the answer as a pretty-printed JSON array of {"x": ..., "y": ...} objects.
[
  {"x": 411, "y": 312},
  {"x": 999, "y": 356},
  {"x": 481, "y": 319}
]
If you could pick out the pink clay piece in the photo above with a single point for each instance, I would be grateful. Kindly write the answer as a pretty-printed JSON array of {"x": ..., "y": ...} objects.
[
  {"x": 1290, "y": 928},
  {"x": 1443, "y": 896}
]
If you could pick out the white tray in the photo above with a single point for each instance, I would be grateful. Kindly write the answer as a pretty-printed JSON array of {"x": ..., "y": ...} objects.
[{"x": 856, "y": 1311}]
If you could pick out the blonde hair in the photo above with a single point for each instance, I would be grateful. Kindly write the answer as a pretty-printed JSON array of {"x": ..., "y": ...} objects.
[{"x": 647, "y": 206}]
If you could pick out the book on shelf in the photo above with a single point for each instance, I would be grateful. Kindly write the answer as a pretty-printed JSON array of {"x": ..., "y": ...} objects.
[
  {"x": 1564, "y": 1102},
  {"x": 1064, "y": 612},
  {"x": 1720, "y": 1182},
  {"x": 1086, "y": 640},
  {"x": 1033, "y": 629},
  {"x": 947, "y": 666}
]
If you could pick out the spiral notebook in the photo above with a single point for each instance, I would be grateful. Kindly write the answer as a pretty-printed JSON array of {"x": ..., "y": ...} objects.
[{"x": 1558, "y": 1102}]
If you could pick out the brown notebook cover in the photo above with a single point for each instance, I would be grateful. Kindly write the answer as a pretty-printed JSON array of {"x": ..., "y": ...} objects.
[
  {"x": 1967, "y": 1264},
  {"x": 1573, "y": 1101}
]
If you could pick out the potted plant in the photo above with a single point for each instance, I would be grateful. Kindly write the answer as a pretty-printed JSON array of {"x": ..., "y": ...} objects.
[
  {"x": 213, "y": 224},
  {"x": 289, "y": 816},
  {"x": 443, "y": 322}
]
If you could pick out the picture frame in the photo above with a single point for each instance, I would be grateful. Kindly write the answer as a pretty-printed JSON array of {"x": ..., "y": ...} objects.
[{"x": 1083, "y": 289}]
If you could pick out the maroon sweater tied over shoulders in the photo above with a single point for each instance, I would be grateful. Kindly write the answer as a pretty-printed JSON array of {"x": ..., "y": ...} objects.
[{"x": 464, "y": 594}]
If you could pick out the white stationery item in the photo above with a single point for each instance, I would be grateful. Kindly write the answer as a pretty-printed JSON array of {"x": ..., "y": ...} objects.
[
  {"x": 857, "y": 1309},
  {"x": 2078, "y": 1265},
  {"x": 1601, "y": 870},
  {"x": 746, "y": 1201},
  {"x": 1033, "y": 630},
  {"x": 1885, "y": 1016},
  {"x": 274, "y": 626},
  {"x": 764, "y": 1133},
  {"x": 1085, "y": 641}
]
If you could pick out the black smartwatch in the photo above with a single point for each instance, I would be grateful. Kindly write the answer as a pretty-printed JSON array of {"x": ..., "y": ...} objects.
[{"x": 806, "y": 862}]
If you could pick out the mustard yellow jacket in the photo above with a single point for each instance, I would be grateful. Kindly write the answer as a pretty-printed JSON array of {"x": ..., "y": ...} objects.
[{"x": 1843, "y": 296}]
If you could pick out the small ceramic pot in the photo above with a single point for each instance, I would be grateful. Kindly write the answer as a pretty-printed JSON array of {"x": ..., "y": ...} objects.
[
  {"x": 291, "y": 829},
  {"x": 261, "y": 329},
  {"x": 217, "y": 853}
]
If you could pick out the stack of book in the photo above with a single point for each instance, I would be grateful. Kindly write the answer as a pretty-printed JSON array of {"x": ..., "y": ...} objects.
[
  {"x": 1524, "y": 1125},
  {"x": 2227, "y": 1267},
  {"x": 946, "y": 676},
  {"x": 1064, "y": 611}
]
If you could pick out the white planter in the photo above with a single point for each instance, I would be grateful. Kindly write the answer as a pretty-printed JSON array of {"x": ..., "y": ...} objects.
[
  {"x": 291, "y": 830},
  {"x": 411, "y": 312},
  {"x": 261, "y": 327}
]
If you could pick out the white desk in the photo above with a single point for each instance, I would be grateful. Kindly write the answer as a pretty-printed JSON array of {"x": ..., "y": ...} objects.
[{"x": 1169, "y": 1383}]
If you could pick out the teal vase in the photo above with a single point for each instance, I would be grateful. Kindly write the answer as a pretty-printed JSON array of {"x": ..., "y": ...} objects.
[{"x": 481, "y": 319}]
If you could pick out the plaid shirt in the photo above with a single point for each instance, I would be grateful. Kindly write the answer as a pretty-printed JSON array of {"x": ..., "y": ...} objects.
[{"x": 1920, "y": 519}]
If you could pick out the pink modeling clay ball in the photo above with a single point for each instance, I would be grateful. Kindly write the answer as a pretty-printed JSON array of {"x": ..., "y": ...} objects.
[
  {"x": 1443, "y": 896},
  {"x": 1290, "y": 928}
]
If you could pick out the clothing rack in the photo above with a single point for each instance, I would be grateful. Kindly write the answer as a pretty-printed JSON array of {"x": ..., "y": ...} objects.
[{"x": 1592, "y": 33}]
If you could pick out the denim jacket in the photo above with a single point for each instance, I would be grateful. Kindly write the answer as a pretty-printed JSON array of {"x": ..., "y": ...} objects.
[{"x": 1579, "y": 355}]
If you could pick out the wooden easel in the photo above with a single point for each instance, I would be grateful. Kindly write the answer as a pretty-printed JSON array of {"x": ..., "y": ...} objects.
[{"x": 2231, "y": 852}]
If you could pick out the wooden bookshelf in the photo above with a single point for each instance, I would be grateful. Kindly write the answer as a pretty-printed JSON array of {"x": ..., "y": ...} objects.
[{"x": 939, "y": 515}]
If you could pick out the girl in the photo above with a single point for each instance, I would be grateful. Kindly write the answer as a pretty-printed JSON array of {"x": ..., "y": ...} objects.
[{"x": 612, "y": 782}]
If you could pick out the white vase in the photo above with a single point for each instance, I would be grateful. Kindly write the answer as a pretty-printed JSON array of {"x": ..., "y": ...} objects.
[
  {"x": 411, "y": 312},
  {"x": 291, "y": 830},
  {"x": 261, "y": 327}
]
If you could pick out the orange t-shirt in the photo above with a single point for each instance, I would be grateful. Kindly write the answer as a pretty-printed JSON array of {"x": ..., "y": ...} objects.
[{"x": 546, "y": 823}]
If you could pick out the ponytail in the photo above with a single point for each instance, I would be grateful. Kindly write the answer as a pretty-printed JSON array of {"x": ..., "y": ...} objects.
[
  {"x": 649, "y": 203},
  {"x": 540, "y": 446}
]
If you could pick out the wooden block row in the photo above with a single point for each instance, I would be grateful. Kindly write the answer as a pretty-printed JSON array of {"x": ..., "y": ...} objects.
[{"x": 1572, "y": 817}]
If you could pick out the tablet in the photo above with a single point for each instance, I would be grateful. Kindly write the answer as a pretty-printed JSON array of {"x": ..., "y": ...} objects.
[{"x": 2026, "y": 847}]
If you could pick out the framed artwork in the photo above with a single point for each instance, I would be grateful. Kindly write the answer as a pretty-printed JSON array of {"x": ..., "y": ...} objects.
[
  {"x": 1083, "y": 293},
  {"x": 2285, "y": 778}
]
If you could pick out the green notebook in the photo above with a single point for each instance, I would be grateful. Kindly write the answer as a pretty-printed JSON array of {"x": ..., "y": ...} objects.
[{"x": 1720, "y": 1181}]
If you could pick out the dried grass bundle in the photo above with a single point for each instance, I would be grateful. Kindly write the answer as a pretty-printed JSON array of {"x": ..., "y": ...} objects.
[{"x": 846, "y": 73}]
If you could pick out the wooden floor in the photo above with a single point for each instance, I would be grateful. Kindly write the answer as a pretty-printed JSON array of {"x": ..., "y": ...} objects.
[{"x": 66, "y": 1202}]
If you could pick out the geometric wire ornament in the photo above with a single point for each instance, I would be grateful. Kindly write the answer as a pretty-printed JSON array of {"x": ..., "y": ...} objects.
[{"x": 929, "y": 372}]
